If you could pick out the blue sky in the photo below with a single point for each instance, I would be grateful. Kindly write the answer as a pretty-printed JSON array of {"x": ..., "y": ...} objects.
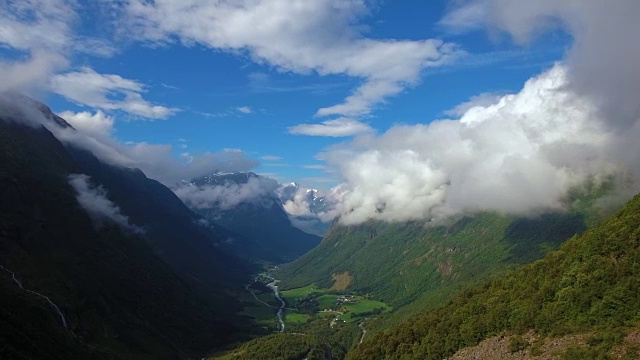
[{"x": 250, "y": 89}]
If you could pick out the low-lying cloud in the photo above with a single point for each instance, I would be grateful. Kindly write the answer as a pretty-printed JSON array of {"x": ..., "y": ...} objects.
[
  {"x": 95, "y": 201},
  {"x": 227, "y": 195},
  {"x": 156, "y": 160},
  {"x": 92, "y": 132}
]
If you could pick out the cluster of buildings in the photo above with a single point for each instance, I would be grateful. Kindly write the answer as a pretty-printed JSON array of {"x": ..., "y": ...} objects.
[{"x": 346, "y": 299}]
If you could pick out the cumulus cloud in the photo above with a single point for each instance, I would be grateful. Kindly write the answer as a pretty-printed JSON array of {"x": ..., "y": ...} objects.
[
  {"x": 96, "y": 124},
  {"x": 87, "y": 87},
  {"x": 480, "y": 100},
  {"x": 39, "y": 32},
  {"x": 227, "y": 195},
  {"x": 518, "y": 155},
  {"x": 340, "y": 127},
  {"x": 95, "y": 201},
  {"x": 300, "y": 36},
  {"x": 602, "y": 61},
  {"x": 40, "y": 40}
]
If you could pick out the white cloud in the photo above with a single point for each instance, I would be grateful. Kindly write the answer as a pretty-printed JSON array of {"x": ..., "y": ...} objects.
[
  {"x": 29, "y": 24},
  {"x": 470, "y": 15},
  {"x": 39, "y": 35},
  {"x": 96, "y": 124},
  {"x": 270, "y": 158},
  {"x": 300, "y": 36},
  {"x": 602, "y": 61},
  {"x": 95, "y": 201},
  {"x": 40, "y": 31},
  {"x": 226, "y": 196},
  {"x": 30, "y": 74},
  {"x": 304, "y": 202},
  {"x": 94, "y": 135},
  {"x": 340, "y": 127},
  {"x": 87, "y": 87},
  {"x": 480, "y": 100},
  {"x": 244, "y": 109},
  {"x": 518, "y": 155}
]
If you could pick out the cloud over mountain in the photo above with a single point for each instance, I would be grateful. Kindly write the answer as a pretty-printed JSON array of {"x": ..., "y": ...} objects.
[
  {"x": 227, "y": 195},
  {"x": 87, "y": 87},
  {"x": 95, "y": 201},
  {"x": 522, "y": 152}
]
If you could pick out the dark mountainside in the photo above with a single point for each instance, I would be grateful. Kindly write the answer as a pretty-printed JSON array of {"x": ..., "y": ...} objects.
[
  {"x": 266, "y": 227},
  {"x": 159, "y": 294},
  {"x": 590, "y": 286},
  {"x": 176, "y": 232}
]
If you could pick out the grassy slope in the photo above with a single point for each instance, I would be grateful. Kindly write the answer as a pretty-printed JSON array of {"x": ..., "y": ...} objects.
[
  {"x": 404, "y": 263},
  {"x": 590, "y": 284}
]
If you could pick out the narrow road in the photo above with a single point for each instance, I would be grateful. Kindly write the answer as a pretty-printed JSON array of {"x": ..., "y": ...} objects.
[
  {"x": 55, "y": 307},
  {"x": 256, "y": 297},
  {"x": 274, "y": 287}
]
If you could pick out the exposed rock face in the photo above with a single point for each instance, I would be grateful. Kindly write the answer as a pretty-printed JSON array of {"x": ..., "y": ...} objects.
[{"x": 497, "y": 348}]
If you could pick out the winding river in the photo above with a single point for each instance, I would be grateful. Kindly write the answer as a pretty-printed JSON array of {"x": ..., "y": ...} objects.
[{"x": 273, "y": 285}]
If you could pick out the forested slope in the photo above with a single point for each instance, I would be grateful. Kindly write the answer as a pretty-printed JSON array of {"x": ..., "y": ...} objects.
[
  {"x": 591, "y": 284},
  {"x": 401, "y": 263}
]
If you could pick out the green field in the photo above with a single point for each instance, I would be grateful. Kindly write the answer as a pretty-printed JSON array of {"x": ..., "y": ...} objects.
[
  {"x": 328, "y": 314},
  {"x": 298, "y": 293},
  {"x": 261, "y": 313},
  {"x": 326, "y": 301},
  {"x": 295, "y": 318},
  {"x": 365, "y": 305}
]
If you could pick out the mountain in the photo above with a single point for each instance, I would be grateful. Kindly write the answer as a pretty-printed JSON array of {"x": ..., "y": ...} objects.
[
  {"x": 247, "y": 204},
  {"x": 401, "y": 263},
  {"x": 99, "y": 261},
  {"x": 588, "y": 287}
]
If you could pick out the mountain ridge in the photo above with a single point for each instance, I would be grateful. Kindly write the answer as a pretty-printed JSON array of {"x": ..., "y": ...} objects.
[
  {"x": 588, "y": 286},
  {"x": 122, "y": 296},
  {"x": 256, "y": 214}
]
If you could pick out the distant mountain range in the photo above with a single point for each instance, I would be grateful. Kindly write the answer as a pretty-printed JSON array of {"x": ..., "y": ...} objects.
[{"x": 248, "y": 205}]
